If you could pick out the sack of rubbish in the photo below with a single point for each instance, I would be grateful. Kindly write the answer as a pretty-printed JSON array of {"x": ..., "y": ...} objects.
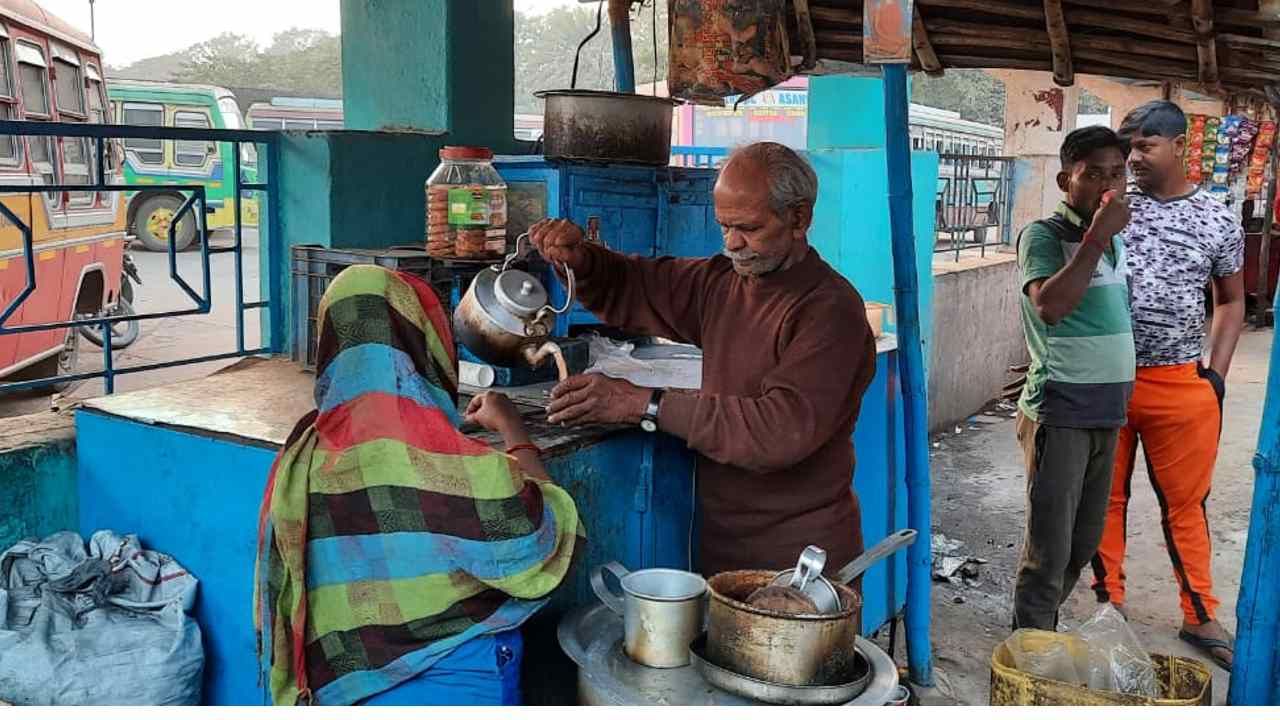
[
  {"x": 109, "y": 624},
  {"x": 1102, "y": 654}
]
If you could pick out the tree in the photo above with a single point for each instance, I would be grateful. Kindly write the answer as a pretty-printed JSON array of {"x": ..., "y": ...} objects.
[
  {"x": 228, "y": 59},
  {"x": 546, "y": 44},
  {"x": 297, "y": 60},
  {"x": 974, "y": 94}
]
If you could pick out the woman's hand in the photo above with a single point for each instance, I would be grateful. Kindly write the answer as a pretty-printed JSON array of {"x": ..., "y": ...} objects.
[{"x": 495, "y": 411}]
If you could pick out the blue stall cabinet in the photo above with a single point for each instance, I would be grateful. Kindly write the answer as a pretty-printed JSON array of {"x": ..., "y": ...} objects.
[
  {"x": 184, "y": 467},
  {"x": 640, "y": 210}
]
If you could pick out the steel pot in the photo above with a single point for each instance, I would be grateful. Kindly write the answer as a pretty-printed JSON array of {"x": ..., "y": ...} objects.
[
  {"x": 504, "y": 320},
  {"x": 601, "y": 126},
  {"x": 816, "y": 649}
]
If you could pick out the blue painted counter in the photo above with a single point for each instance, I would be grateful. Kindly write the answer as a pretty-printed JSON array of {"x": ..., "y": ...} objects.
[{"x": 198, "y": 453}]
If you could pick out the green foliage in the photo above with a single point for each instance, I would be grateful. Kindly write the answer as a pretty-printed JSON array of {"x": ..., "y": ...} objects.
[
  {"x": 974, "y": 94},
  {"x": 297, "y": 60},
  {"x": 545, "y": 47}
]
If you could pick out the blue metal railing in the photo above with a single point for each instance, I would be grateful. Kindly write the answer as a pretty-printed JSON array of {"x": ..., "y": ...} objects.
[
  {"x": 698, "y": 155},
  {"x": 194, "y": 203}
]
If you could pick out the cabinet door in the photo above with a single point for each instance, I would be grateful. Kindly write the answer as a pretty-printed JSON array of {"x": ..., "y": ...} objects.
[
  {"x": 625, "y": 203},
  {"x": 690, "y": 228}
]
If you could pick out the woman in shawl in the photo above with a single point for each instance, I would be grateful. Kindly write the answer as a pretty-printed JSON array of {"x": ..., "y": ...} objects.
[{"x": 396, "y": 556}]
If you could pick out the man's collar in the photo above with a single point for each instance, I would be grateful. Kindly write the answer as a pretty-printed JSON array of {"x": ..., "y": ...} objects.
[{"x": 1069, "y": 214}]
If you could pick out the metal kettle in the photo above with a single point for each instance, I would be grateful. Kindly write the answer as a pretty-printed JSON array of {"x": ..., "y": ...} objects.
[{"x": 504, "y": 318}]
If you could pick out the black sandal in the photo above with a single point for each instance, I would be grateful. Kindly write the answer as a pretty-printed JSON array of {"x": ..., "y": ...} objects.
[{"x": 1209, "y": 645}]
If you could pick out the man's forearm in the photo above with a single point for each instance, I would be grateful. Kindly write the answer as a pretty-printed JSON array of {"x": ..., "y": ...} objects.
[
  {"x": 1061, "y": 294},
  {"x": 1228, "y": 323}
]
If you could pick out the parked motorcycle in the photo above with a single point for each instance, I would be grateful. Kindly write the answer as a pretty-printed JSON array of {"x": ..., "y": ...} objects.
[{"x": 123, "y": 332}]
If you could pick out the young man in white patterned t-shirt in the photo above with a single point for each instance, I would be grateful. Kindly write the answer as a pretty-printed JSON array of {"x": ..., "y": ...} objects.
[{"x": 1178, "y": 241}]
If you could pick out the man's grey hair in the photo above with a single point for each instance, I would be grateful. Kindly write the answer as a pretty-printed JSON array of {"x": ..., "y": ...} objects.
[{"x": 791, "y": 179}]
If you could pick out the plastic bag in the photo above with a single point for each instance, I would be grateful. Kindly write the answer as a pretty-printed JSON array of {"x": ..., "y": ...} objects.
[
  {"x": 106, "y": 626},
  {"x": 722, "y": 48},
  {"x": 1117, "y": 662},
  {"x": 1046, "y": 655}
]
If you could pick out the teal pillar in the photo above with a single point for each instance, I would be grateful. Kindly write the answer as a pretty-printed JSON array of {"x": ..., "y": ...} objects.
[
  {"x": 846, "y": 145},
  {"x": 435, "y": 66}
]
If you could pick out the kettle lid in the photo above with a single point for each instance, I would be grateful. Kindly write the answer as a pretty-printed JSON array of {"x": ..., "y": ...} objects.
[{"x": 519, "y": 292}]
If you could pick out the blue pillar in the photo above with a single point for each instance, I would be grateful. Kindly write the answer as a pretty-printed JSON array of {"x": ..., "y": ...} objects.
[
  {"x": 1255, "y": 679},
  {"x": 435, "y": 66},
  {"x": 911, "y": 362}
]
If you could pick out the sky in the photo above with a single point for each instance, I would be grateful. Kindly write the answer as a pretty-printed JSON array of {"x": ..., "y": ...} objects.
[{"x": 130, "y": 30}]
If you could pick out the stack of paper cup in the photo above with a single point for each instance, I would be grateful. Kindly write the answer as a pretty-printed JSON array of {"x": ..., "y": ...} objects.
[{"x": 475, "y": 374}]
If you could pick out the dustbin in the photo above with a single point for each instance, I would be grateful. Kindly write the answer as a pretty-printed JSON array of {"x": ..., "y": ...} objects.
[{"x": 1182, "y": 681}]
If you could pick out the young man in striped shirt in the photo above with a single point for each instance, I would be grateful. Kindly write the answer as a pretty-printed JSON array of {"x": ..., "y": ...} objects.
[{"x": 1075, "y": 315}]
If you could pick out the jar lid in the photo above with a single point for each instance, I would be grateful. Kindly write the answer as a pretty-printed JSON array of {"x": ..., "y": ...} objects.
[
  {"x": 465, "y": 152},
  {"x": 520, "y": 293}
]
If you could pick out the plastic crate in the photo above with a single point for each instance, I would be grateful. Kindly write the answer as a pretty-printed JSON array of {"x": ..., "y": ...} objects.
[{"x": 314, "y": 267}]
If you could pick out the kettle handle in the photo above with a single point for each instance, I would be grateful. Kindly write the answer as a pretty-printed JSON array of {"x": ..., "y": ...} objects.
[
  {"x": 568, "y": 301},
  {"x": 614, "y": 601}
]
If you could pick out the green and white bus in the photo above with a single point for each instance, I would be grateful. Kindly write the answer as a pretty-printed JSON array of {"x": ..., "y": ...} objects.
[{"x": 181, "y": 162}]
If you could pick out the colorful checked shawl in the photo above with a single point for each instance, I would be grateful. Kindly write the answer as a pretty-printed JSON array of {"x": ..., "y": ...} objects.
[{"x": 387, "y": 538}]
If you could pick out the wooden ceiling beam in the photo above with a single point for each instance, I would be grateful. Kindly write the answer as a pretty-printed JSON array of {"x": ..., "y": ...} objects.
[
  {"x": 974, "y": 61},
  {"x": 926, "y": 56},
  {"x": 1206, "y": 45},
  {"x": 1055, "y": 22},
  {"x": 1130, "y": 26},
  {"x": 990, "y": 7},
  {"x": 835, "y": 16}
]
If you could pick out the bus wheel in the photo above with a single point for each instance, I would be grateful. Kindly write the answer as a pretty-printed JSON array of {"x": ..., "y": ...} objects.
[{"x": 153, "y": 220}]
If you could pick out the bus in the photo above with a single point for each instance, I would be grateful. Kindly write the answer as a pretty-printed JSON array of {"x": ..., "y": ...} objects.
[
  {"x": 291, "y": 113},
  {"x": 182, "y": 162},
  {"x": 51, "y": 72}
]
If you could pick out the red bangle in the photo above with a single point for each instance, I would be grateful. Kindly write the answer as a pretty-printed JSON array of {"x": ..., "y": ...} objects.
[{"x": 524, "y": 446}]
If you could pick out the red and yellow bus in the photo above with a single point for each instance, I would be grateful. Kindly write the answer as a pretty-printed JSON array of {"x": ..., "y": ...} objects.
[{"x": 51, "y": 72}]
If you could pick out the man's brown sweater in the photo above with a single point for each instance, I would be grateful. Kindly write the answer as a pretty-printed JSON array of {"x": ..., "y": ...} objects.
[{"x": 786, "y": 359}]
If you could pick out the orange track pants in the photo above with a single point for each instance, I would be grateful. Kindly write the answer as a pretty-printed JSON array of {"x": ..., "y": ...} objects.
[{"x": 1177, "y": 416}]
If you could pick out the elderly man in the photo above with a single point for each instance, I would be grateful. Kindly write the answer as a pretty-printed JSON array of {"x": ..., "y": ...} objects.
[{"x": 788, "y": 354}]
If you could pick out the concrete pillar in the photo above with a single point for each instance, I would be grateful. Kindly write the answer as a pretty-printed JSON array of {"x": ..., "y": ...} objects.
[
  {"x": 846, "y": 146},
  {"x": 435, "y": 66},
  {"x": 1037, "y": 117}
]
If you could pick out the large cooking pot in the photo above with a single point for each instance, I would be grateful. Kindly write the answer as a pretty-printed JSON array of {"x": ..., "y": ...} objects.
[
  {"x": 784, "y": 648},
  {"x": 600, "y": 126}
]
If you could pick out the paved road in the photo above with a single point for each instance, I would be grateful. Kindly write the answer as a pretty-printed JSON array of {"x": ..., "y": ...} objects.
[{"x": 169, "y": 339}]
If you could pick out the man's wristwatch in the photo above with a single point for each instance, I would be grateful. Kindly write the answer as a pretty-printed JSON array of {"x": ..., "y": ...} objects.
[{"x": 649, "y": 422}]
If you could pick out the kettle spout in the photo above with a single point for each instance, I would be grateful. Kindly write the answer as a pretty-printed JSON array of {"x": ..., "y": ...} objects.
[{"x": 536, "y": 355}]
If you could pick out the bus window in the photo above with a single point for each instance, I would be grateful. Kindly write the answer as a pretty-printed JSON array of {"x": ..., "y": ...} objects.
[
  {"x": 10, "y": 147},
  {"x": 97, "y": 98},
  {"x": 268, "y": 124},
  {"x": 148, "y": 151},
  {"x": 68, "y": 82},
  {"x": 230, "y": 112},
  {"x": 299, "y": 125},
  {"x": 76, "y": 167},
  {"x": 191, "y": 153},
  {"x": 31, "y": 72}
]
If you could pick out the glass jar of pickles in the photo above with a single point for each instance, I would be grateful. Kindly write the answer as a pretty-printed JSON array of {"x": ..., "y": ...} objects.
[{"x": 466, "y": 206}]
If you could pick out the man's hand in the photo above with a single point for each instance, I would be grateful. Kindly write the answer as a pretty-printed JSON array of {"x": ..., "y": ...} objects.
[
  {"x": 594, "y": 398},
  {"x": 495, "y": 412},
  {"x": 1112, "y": 217},
  {"x": 560, "y": 241}
]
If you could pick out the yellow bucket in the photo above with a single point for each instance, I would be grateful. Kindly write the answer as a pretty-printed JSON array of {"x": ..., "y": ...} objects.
[{"x": 1182, "y": 681}]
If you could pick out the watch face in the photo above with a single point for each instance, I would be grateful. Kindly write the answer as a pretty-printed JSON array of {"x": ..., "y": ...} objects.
[{"x": 648, "y": 425}]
